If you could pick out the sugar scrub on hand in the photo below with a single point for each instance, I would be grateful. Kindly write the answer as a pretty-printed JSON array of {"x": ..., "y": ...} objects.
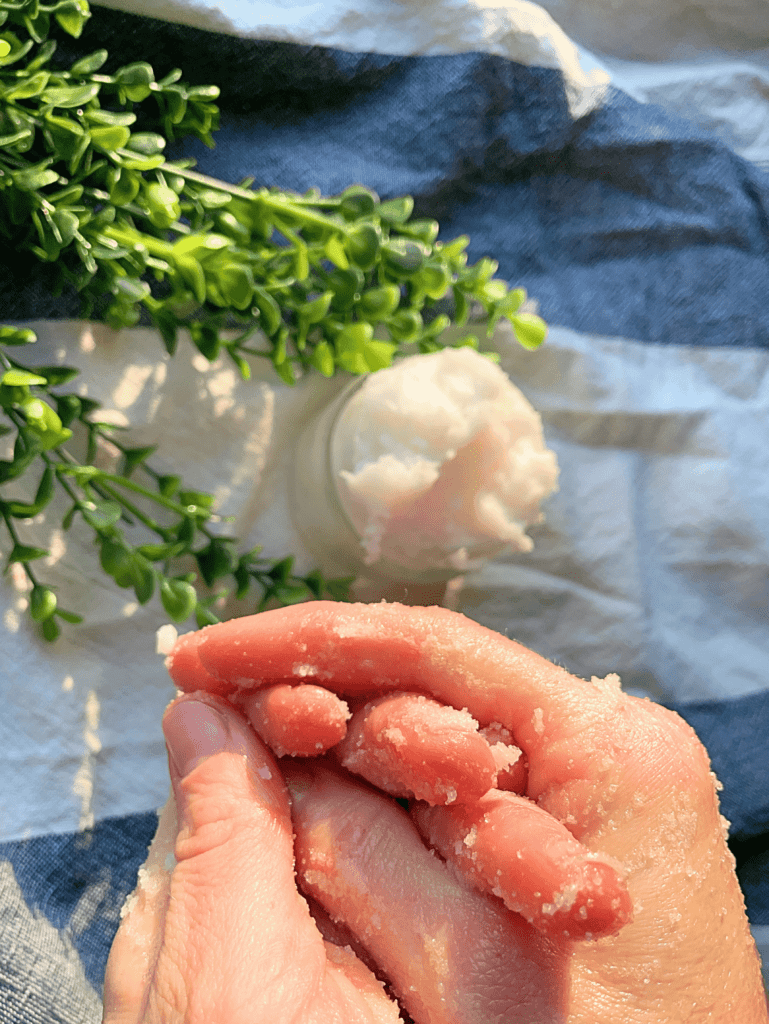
[{"x": 437, "y": 463}]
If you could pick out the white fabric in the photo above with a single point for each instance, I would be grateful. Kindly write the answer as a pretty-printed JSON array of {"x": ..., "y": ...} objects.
[
  {"x": 646, "y": 564},
  {"x": 81, "y": 736}
]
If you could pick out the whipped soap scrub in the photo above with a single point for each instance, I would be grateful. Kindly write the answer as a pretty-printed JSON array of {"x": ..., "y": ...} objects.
[{"x": 423, "y": 470}]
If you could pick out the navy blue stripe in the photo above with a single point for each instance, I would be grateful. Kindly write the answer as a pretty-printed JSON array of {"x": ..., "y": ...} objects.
[{"x": 628, "y": 222}]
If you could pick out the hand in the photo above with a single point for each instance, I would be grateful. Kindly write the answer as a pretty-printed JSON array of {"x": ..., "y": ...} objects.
[{"x": 620, "y": 806}]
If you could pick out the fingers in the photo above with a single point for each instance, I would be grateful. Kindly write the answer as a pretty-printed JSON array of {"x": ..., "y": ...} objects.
[
  {"x": 381, "y": 648},
  {"x": 135, "y": 949},
  {"x": 410, "y": 746},
  {"x": 231, "y": 889},
  {"x": 581, "y": 740},
  {"x": 452, "y": 955},
  {"x": 303, "y": 721},
  {"x": 506, "y": 845}
]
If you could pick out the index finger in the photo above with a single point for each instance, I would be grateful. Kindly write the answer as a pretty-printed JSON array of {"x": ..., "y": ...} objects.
[
  {"x": 365, "y": 649},
  {"x": 368, "y": 649}
]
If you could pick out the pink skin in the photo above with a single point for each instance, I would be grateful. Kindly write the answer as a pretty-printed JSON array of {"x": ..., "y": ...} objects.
[
  {"x": 410, "y": 746},
  {"x": 302, "y": 721},
  {"x": 451, "y": 954},
  {"x": 225, "y": 937},
  {"x": 545, "y": 875},
  {"x": 627, "y": 780}
]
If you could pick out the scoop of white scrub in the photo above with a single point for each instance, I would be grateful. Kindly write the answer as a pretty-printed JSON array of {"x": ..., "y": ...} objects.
[{"x": 440, "y": 462}]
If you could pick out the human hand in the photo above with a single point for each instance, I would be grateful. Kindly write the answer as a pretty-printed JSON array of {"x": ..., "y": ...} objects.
[{"x": 225, "y": 936}]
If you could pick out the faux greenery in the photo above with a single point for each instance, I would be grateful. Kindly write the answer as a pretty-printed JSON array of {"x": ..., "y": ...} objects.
[{"x": 311, "y": 283}]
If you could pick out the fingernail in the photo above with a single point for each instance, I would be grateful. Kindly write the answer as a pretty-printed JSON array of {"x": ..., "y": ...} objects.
[{"x": 194, "y": 731}]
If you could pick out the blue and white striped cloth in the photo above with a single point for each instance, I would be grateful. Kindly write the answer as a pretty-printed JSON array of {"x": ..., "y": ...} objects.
[{"x": 643, "y": 236}]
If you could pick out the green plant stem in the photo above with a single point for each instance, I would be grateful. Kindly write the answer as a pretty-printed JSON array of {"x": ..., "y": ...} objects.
[
  {"x": 15, "y": 539},
  {"x": 278, "y": 205}
]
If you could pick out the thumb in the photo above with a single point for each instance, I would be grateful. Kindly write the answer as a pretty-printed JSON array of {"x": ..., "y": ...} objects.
[{"x": 233, "y": 923}]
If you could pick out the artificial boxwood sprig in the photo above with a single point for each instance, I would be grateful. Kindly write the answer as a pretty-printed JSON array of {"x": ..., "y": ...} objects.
[
  {"x": 308, "y": 282},
  {"x": 341, "y": 282},
  {"x": 145, "y": 525}
]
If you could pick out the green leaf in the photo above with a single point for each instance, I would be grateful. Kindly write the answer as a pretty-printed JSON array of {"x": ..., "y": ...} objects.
[
  {"x": 379, "y": 303},
  {"x": 335, "y": 251},
  {"x": 83, "y": 474},
  {"x": 16, "y": 49},
  {"x": 236, "y": 283},
  {"x": 112, "y": 118},
  {"x": 43, "y": 55},
  {"x": 168, "y": 325},
  {"x": 270, "y": 316},
  {"x": 102, "y": 515},
  {"x": 143, "y": 578},
  {"x": 25, "y": 553},
  {"x": 185, "y": 532},
  {"x": 45, "y": 423},
  {"x": 57, "y": 375},
  {"x": 70, "y": 95},
  {"x": 72, "y": 16},
  {"x": 378, "y": 354},
  {"x": 204, "y": 616},
  {"x": 116, "y": 560},
  {"x": 215, "y": 560},
  {"x": 179, "y": 598},
  {"x": 26, "y": 88},
  {"x": 163, "y": 206},
  {"x": 21, "y": 378},
  {"x": 109, "y": 137},
  {"x": 424, "y": 230},
  {"x": 314, "y": 311},
  {"x": 6, "y": 141},
  {"x": 87, "y": 65},
  {"x": 322, "y": 359},
  {"x": 315, "y": 583},
  {"x": 454, "y": 251},
  {"x": 339, "y": 588},
  {"x": 530, "y": 329},
  {"x": 363, "y": 246},
  {"x": 204, "y": 92},
  {"x": 168, "y": 485},
  {"x": 33, "y": 178},
  {"x": 401, "y": 257},
  {"x": 206, "y": 339},
  {"x": 285, "y": 370},
  {"x": 405, "y": 326},
  {"x": 147, "y": 143},
  {"x": 42, "y": 603},
  {"x": 193, "y": 275},
  {"x": 358, "y": 201},
  {"x": 433, "y": 280},
  {"x": 43, "y": 495},
  {"x": 68, "y": 407},
  {"x": 346, "y": 286},
  {"x": 291, "y": 593},
  {"x": 197, "y": 500},
  {"x": 212, "y": 200},
  {"x": 281, "y": 570},
  {"x": 301, "y": 262},
  {"x": 50, "y": 629},
  {"x": 133, "y": 457},
  {"x": 17, "y": 336},
  {"x": 135, "y": 80},
  {"x": 396, "y": 211},
  {"x": 68, "y": 616}
]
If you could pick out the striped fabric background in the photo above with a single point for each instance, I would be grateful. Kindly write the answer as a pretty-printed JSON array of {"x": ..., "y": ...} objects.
[{"x": 643, "y": 236}]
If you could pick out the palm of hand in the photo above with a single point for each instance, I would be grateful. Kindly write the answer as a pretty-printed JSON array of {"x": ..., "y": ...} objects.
[{"x": 226, "y": 937}]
